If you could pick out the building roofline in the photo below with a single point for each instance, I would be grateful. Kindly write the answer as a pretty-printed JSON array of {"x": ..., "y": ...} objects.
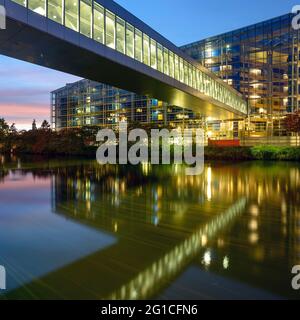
[{"x": 235, "y": 30}]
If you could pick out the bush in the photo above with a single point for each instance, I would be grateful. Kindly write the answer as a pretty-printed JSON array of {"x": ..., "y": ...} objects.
[
  {"x": 276, "y": 153},
  {"x": 228, "y": 153}
]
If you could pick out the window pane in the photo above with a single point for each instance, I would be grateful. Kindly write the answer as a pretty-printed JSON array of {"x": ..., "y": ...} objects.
[
  {"x": 55, "y": 10},
  {"x": 153, "y": 54},
  {"x": 198, "y": 79},
  {"x": 166, "y": 61},
  {"x": 181, "y": 70},
  {"x": 176, "y": 67},
  {"x": 98, "y": 23},
  {"x": 186, "y": 73},
  {"x": 171, "y": 63},
  {"x": 129, "y": 40},
  {"x": 138, "y": 45},
  {"x": 71, "y": 14},
  {"x": 190, "y": 70},
  {"x": 38, "y": 6},
  {"x": 194, "y": 79},
  {"x": 86, "y": 18},
  {"x": 110, "y": 29},
  {"x": 120, "y": 35},
  {"x": 160, "y": 60},
  {"x": 21, "y": 2},
  {"x": 146, "y": 49}
]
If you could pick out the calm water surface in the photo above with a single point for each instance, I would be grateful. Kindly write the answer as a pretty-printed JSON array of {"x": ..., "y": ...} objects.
[{"x": 75, "y": 229}]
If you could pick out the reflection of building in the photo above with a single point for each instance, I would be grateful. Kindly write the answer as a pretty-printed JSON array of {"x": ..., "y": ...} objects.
[
  {"x": 262, "y": 62},
  {"x": 140, "y": 213}
]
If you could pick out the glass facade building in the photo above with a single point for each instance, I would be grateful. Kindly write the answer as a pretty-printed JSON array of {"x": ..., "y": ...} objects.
[
  {"x": 86, "y": 103},
  {"x": 262, "y": 62}
]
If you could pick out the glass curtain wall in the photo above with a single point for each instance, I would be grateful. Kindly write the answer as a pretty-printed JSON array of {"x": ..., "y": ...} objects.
[
  {"x": 86, "y": 18},
  {"x": 71, "y": 14},
  {"x": 55, "y": 10},
  {"x": 129, "y": 40},
  {"x": 110, "y": 24},
  {"x": 98, "y": 23},
  {"x": 120, "y": 35},
  {"x": 38, "y": 6}
]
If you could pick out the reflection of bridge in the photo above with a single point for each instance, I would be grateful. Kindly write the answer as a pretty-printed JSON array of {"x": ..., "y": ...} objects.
[
  {"x": 173, "y": 262},
  {"x": 101, "y": 41}
]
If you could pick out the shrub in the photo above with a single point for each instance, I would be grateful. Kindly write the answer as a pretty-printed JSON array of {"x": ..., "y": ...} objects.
[{"x": 275, "y": 153}]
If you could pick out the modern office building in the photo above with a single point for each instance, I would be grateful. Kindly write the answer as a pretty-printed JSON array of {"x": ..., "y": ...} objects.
[
  {"x": 86, "y": 102},
  {"x": 262, "y": 62}
]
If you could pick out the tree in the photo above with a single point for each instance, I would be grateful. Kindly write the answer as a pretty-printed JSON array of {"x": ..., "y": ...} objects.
[
  {"x": 45, "y": 125},
  {"x": 12, "y": 128},
  {"x": 34, "y": 127},
  {"x": 292, "y": 122},
  {"x": 4, "y": 127}
]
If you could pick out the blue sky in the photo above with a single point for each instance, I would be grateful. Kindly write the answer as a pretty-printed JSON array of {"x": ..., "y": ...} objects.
[{"x": 24, "y": 88}]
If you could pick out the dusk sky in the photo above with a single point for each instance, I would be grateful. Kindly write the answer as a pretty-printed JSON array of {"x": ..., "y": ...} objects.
[{"x": 25, "y": 88}]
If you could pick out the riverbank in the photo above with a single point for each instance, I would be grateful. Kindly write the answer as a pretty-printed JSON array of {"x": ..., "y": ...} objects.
[
  {"x": 272, "y": 153},
  {"x": 253, "y": 153}
]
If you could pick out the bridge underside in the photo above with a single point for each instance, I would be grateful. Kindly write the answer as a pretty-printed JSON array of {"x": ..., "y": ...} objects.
[{"x": 56, "y": 47}]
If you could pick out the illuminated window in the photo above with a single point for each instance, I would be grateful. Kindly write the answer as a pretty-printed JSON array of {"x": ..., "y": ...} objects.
[
  {"x": 88, "y": 120},
  {"x": 194, "y": 78},
  {"x": 181, "y": 68},
  {"x": 86, "y": 18},
  {"x": 21, "y": 2},
  {"x": 110, "y": 29},
  {"x": 38, "y": 6},
  {"x": 166, "y": 61},
  {"x": 146, "y": 49},
  {"x": 186, "y": 73},
  {"x": 138, "y": 45},
  {"x": 176, "y": 65},
  {"x": 120, "y": 35},
  {"x": 153, "y": 54},
  {"x": 55, "y": 10},
  {"x": 190, "y": 71},
  {"x": 160, "y": 59},
  {"x": 98, "y": 23},
  {"x": 129, "y": 40},
  {"x": 71, "y": 14},
  {"x": 198, "y": 75},
  {"x": 171, "y": 64}
]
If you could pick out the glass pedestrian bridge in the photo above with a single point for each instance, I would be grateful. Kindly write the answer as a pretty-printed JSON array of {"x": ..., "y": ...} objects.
[{"x": 121, "y": 51}]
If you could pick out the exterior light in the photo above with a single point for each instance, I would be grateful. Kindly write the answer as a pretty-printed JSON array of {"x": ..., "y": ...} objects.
[
  {"x": 225, "y": 262},
  {"x": 207, "y": 258}
]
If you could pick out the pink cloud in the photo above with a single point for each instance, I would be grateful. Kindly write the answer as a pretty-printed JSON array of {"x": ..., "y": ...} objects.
[{"x": 23, "y": 114}]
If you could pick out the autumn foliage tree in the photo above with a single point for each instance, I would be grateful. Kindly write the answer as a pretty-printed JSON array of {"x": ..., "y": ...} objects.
[{"x": 292, "y": 122}]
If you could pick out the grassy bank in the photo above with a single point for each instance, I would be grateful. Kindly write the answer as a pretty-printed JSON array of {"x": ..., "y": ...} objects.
[{"x": 253, "y": 153}]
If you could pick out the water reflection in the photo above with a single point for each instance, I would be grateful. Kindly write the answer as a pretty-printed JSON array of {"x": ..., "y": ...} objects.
[{"x": 240, "y": 221}]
